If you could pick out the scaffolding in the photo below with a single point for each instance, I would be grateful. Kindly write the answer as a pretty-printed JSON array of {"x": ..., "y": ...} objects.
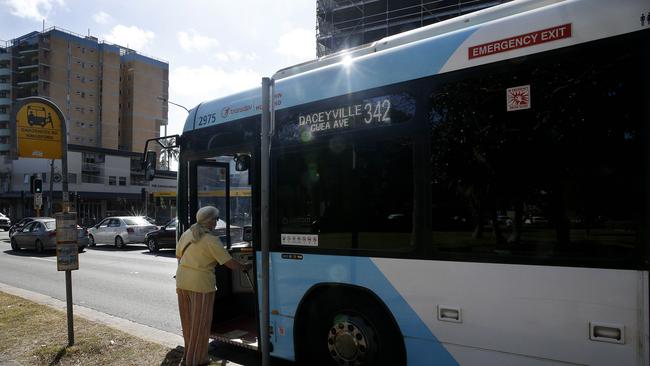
[{"x": 345, "y": 24}]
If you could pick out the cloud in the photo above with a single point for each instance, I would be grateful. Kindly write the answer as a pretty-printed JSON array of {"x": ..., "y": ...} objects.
[
  {"x": 193, "y": 41},
  {"x": 207, "y": 82},
  {"x": 102, "y": 18},
  {"x": 234, "y": 56},
  {"x": 130, "y": 37},
  {"x": 32, "y": 9},
  {"x": 297, "y": 45}
]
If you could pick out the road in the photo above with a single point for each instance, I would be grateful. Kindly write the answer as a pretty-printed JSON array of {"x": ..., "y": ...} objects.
[
  {"x": 131, "y": 284},
  {"x": 127, "y": 283}
]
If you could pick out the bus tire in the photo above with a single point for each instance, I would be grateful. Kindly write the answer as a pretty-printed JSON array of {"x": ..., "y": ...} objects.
[{"x": 348, "y": 327}]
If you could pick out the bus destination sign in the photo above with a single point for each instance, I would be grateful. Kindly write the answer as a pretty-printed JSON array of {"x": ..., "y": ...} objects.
[{"x": 368, "y": 113}]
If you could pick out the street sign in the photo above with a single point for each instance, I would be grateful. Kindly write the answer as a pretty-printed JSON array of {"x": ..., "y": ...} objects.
[
  {"x": 38, "y": 129},
  {"x": 38, "y": 200},
  {"x": 67, "y": 253}
]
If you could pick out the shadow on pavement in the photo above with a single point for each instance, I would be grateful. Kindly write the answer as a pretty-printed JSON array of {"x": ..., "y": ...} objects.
[
  {"x": 173, "y": 357},
  {"x": 162, "y": 253},
  {"x": 111, "y": 248},
  {"x": 31, "y": 253}
]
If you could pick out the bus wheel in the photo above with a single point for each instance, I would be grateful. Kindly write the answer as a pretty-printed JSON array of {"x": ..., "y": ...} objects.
[
  {"x": 352, "y": 330},
  {"x": 351, "y": 340}
]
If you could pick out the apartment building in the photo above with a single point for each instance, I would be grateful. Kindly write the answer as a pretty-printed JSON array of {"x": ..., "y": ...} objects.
[{"x": 110, "y": 96}]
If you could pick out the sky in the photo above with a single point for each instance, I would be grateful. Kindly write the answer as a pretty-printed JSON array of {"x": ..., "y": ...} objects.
[{"x": 214, "y": 47}]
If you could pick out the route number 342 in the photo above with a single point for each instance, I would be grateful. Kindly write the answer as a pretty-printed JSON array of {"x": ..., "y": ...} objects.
[{"x": 378, "y": 111}]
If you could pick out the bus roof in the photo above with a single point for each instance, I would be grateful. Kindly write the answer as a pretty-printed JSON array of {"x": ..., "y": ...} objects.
[{"x": 505, "y": 31}]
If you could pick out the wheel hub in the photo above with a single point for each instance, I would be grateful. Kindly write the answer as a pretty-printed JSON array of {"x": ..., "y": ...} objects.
[{"x": 350, "y": 342}]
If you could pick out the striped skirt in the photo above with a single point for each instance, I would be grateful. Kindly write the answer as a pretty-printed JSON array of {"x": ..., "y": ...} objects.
[{"x": 195, "y": 309}]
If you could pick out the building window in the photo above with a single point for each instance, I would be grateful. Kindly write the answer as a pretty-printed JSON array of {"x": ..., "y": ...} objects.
[
  {"x": 122, "y": 181},
  {"x": 111, "y": 180},
  {"x": 92, "y": 169}
]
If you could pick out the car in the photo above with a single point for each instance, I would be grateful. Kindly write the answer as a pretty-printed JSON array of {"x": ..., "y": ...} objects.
[
  {"x": 120, "y": 231},
  {"x": 40, "y": 234},
  {"x": 19, "y": 225},
  {"x": 151, "y": 220},
  {"x": 5, "y": 222},
  {"x": 165, "y": 237}
]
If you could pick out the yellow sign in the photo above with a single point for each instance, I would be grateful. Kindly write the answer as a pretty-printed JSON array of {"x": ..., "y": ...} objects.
[{"x": 38, "y": 131}]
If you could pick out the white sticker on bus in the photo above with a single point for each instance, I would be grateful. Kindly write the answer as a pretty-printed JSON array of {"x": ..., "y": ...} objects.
[
  {"x": 518, "y": 98},
  {"x": 309, "y": 240}
]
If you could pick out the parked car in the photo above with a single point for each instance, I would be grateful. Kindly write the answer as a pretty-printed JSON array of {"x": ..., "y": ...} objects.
[
  {"x": 19, "y": 225},
  {"x": 40, "y": 234},
  {"x": 165, "y": 237},
  {"x": 120, "y": 230},
  {"x": 5, "y": 222}
]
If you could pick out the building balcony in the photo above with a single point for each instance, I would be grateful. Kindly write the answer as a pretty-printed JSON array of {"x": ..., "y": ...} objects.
[
  {"x": 28, "y": 51},
  {"x": 5, "y": 86},
  {"x": 5, "y": 101},
  {"x": 29, "y": 67},
  {"x": 5, "y": 132},
  {"x": 4, "y": 117},
  {"x": 27, "y": 83},
  {"x": 5, "y": 71},
  {"x": 5, "y": 56}
]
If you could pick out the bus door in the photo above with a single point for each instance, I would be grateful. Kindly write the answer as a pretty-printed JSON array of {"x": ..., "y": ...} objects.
[{"x": 219, "y": 181}]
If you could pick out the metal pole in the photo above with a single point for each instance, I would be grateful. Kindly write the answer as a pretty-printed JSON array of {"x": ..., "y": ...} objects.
[
  {"x": 68, "y": 300},
  {"x": 264, "y": 224},
  {"x": 49, "y": 199},
  {"x": 66, "y": 208}
]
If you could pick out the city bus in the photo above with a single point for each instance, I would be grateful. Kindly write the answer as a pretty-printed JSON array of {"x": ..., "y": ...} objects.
[{"x": 474, "y": 192}]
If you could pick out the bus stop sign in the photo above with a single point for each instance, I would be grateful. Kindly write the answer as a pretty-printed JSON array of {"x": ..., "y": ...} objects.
[{"x": 38, "y": 129}]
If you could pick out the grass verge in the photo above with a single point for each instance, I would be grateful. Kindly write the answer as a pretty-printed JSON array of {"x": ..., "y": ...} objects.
[{"x": 34, "y": 334}]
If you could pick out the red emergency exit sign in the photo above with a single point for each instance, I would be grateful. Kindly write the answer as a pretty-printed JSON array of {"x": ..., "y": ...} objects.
[{"x": 520, "y": 41}]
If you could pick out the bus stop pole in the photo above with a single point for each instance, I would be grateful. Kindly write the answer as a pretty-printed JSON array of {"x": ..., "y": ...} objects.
[
  {"x": 264, "y": 224},
  {"x": 66, "y": 209}
]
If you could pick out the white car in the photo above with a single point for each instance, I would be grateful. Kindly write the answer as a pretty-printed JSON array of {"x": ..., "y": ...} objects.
[
  {"x": 120, "y": 230},
  {"x": 5, "y": 223}
]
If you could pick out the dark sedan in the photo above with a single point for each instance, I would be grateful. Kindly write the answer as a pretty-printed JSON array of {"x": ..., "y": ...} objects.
[
  {"x": 18, "y": 225},
  {"x": 165, "y": 237}
]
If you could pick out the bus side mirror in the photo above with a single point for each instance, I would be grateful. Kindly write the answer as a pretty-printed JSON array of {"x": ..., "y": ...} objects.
[
  {"x": 242, "y": 162},
  {"x": 150, "y": 165}
]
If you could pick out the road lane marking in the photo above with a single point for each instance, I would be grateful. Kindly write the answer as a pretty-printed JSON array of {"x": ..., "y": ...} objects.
[{"x": 43, "y": 259}]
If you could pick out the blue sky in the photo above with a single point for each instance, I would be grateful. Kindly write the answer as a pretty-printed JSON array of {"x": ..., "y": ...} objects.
[{"x": 214, "y": 48}]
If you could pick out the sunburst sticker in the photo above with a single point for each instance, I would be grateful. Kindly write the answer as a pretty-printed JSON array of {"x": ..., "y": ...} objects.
[{"x": 518, "y": 98}]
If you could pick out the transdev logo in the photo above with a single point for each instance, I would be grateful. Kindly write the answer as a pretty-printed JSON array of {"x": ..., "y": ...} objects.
[
  {"x": 520, "y": 41},
  {"x": 228, "y": 111}
]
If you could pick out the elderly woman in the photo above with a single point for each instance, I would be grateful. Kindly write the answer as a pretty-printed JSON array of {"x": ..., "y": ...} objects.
[{"x": 198, "y": 251}]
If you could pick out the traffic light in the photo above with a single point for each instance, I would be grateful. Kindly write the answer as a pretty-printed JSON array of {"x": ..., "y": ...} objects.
[{"x": 38, "y": 185}]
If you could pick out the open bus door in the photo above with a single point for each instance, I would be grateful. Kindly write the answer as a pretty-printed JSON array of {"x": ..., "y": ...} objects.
[
  {"x": 212, "y": 183},
  {"x": 223, "y": 181}
]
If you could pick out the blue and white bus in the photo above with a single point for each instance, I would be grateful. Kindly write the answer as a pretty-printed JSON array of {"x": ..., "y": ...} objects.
[{"x": 474, "y": 192}]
